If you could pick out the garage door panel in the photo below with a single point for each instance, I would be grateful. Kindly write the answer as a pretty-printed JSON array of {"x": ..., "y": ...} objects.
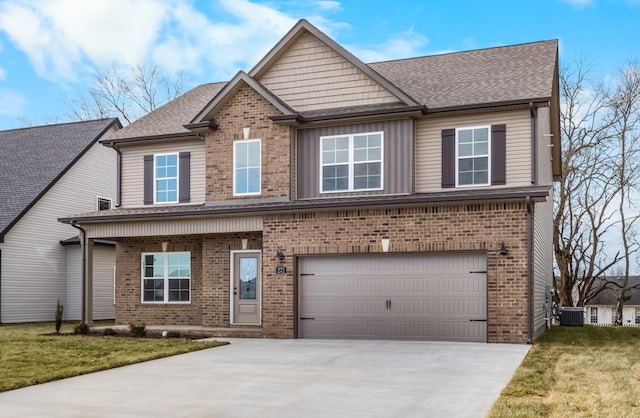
[{"x": 435, "y": 296}]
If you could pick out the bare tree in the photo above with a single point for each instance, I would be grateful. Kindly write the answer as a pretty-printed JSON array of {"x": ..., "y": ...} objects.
[{"x": 127, "y": 94}]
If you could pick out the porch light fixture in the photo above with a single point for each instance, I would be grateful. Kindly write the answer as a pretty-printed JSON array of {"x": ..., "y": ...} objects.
[
  {"x": 279, "y": 255},
  {"x": 385, "y": 245},
  {"x": 164, "y": 246},
  {"x": 245, "y": 133},
  {"x": 244, "y": 243},
  {"x": 503, "y": 250}
]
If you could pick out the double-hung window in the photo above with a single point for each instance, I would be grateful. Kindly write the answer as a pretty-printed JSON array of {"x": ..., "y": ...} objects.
[
  {"x": 247, "y": 167},
  {"x": 351, "y": 162},
  {"x": 593, "y": 316},
  {"x": 637, "y": 315},
  {"x": 472, "y": 156},
  {"x": 166, "y": 277},
  {"x": 166, "y": 178}
]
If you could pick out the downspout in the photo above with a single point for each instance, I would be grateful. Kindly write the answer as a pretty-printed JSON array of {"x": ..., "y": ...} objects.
[
  {"x": 84, "y": 262},
  {"x": 530, "y": 209},
  {"x": 118, "y": 175},
  {"x": 534, "y": 148}
]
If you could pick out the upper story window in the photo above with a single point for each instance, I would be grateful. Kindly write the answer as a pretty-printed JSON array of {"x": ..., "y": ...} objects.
[
  {"x": 472, "y": 149},
  {"x": 247, "y": 169},
  {"x": 167, "y": 178},
  {"x": 103, "y": 203},
  {"x": 166, "y": 277},
  {"x": 351, "y": 162}
]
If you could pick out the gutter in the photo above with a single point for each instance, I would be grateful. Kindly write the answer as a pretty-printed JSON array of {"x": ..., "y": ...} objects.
[
  {"x": 530, "y": 209},
  {"x": 84, "y": 262}
]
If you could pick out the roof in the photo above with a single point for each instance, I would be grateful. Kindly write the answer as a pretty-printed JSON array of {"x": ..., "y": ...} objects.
[
  {"x": 609, "y": 296},
  {"x": 33, "y": 159},
  {"x": 483, "y": 76}
]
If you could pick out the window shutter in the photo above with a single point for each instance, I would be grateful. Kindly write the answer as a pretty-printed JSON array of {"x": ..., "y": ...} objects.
[
  {"x": 498, "y": 154},
  {"x": 184, "y": 177},
  {"x": 148, "y": 179},
  {"x": 448, "y": 158}
]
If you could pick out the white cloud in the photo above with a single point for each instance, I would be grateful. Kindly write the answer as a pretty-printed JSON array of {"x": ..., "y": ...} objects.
[
  {"x": 579, "y": 3},
  {"x": 3, "y": 73},
  {"x": 329, "y": 5},
  {"x": 404, "y": 45},
  {"x": 12, "y": 102}
]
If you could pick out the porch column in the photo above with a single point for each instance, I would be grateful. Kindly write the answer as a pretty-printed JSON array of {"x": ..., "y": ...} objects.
[{"x": 88, "y": 282}]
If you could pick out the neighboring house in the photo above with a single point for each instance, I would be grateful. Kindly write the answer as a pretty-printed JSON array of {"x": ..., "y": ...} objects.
[
  {"x": 602, "y": 309},
  {"x": 317, "y": 196},
  {"x": 49, "y": 172}
]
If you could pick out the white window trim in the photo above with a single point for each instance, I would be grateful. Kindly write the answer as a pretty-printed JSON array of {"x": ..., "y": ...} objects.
[
  {"x": 98, "y": 198},
  {"x": 155, "y": 179},
  {"x": 232, "y": 281},
  {"x": 351, "y": 163},
  {"x": 166, "y": 280},
  {"x": 259, "y": 141},
  {"x": 466, "y": 128},
  {"x": 591, "y": 315}
]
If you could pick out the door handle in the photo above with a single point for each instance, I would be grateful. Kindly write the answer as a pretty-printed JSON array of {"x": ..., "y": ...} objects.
[{"x": 388, "y": 303}]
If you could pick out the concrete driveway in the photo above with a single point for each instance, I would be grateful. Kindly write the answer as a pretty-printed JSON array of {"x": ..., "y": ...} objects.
[{"x": 287, "y": 378}]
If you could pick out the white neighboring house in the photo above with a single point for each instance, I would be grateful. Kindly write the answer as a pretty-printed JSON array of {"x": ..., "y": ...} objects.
[
  {"x": 48, "y": 172},
  {"x": 601, "y": 310}
]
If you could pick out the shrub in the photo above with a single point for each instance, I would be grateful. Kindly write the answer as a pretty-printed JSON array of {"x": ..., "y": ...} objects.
[
  {"x": 109, "y": 331},
  {"x": 138, "y": 330},
  {"x": 172, "y": 334},
  {"x": 59, "y": 311},
  {"x": 81, "y": 328}
]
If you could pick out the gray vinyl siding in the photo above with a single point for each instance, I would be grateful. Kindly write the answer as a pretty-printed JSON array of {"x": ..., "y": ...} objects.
[
  {"x": 428, "y": 157},
  {"x": 34, "y": 264},
  {"x": 398, "y": 149},
  {"x": 544, "y": 141},
  {"x": 542, "y": 260},
  {"x": 133, "y": 170},
  {"x": 309, "y": 75},
  {"x": 104, "y": 261},
  {"x": 73, "y": 310}
]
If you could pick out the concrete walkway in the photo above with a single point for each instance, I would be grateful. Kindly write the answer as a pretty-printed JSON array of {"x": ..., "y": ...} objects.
[{"x": 287, "y": 378}]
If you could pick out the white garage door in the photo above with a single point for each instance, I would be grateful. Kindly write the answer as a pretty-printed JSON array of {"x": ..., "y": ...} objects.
[{"x": 427, "y": 297}]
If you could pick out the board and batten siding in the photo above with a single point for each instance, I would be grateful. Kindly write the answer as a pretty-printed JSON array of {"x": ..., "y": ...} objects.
[
  {"x": 310, "y": 75},
  {"x": 542, "y": 261},
  {"x": 104, "y": 261},
  {"x": 133, "y": 170},
  {"x": 428, "y": 158},
  {"x": 34, "y": 263},
  {"x": 397, "y": 157}
]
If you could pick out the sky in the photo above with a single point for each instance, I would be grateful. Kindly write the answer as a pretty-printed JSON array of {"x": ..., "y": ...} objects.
[{"x": 50, "y": 49}]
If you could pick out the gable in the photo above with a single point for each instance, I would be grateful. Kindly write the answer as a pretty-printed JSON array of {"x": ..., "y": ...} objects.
[{"x": 309, "y": 75}]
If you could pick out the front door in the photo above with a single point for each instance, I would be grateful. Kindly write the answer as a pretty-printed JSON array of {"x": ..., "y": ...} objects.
[{"x": 246, "y": 287}]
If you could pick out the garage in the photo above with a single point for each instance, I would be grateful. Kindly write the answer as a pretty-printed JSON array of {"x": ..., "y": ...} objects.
[{"x": 394, "y": 296}]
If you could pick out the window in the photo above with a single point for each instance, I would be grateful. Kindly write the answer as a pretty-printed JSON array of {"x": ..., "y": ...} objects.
[
  {"x": 593, "y": 315},
  {"x": 166, "y": 178},
  {"x": 472, "y": 156},
  {"x": 246, "y": 167},
  {"x": 103, "y": 203},
  {"x": 351, "y": 162},
  {"x": 614, "y": 315},
  {"x": 637, "y": 315},
  {"x": 166, "y": 277}
]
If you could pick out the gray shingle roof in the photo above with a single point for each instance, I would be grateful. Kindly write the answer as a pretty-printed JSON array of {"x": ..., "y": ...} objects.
[
  {"x": 610, "y": 295},
  {"x": 470, "y": 78},
  {"x": 32, "y": 159},
  {"x": 502, "y": 74}
]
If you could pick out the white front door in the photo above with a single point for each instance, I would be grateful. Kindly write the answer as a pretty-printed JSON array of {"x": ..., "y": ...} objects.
[{"x": 247, "y": 287}]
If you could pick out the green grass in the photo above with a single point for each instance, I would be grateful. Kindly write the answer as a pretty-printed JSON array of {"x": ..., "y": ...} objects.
[
  {"x": 576, "y": 372},
  {"x": 27, "y": 357}
]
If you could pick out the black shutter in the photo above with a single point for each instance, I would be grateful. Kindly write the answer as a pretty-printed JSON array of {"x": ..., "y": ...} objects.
[
  {"x": 148, "y": 179},
  {"x": 184, "y": 177},
  {"x": 498, "y": 154},
  {"x": 448, "y": 158}
]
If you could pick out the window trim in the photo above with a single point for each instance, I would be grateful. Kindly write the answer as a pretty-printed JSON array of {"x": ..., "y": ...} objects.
[
  {"x": 636, "y": 315},
  {"x": 351, "y": 163},
  {"x": 155, "y": 179},
  {"x": 239, "y": 141},
  {"x": 166, "y": 278},
  {"x": 488, "y": 155},
  {"x": 593, "y": 313},
  {"x": 99, "y": 198}
]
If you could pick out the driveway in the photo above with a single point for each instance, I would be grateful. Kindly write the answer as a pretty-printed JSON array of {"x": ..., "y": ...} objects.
[{"x": 287, "y": 378}]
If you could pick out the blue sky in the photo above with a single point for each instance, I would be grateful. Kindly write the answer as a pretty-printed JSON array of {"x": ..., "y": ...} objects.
[{"x": 49, "y": 49}]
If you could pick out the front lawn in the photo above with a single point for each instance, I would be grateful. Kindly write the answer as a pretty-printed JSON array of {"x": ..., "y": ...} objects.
[
  {"x": 27, "y": 357},
  {"x": 576, "y": 372}
]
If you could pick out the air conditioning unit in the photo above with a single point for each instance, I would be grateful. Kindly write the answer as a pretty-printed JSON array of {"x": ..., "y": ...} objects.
[{"x": 572, "y": 317}]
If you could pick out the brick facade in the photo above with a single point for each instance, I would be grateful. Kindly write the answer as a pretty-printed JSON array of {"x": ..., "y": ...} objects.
[{"x": 414, "y": 230}]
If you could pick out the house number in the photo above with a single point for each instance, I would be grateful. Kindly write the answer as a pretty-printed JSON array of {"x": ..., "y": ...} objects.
[{"x": 281, "y": 270}]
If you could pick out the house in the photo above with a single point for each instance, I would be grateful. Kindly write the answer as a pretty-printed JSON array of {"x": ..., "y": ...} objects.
[
  {"x": 601, "y": 310},
  {"x": 317, "y": 196},
  {"x": 49, "y": 172}
]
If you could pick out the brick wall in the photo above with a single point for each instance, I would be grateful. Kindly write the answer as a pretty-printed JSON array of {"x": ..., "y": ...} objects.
[{"x": 248, "y": 109}]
